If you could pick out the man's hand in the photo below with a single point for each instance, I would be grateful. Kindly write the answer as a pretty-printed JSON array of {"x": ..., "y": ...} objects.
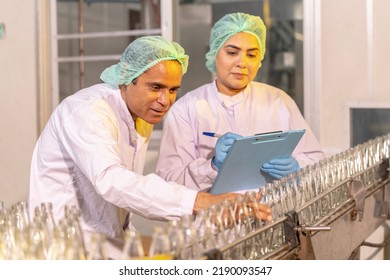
[{"x": 204, "y": 200}]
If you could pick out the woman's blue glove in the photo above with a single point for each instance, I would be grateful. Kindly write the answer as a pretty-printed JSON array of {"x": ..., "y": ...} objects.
[
  {"x": 281, "y": 167},
  {"x": 222, "y": 148}
]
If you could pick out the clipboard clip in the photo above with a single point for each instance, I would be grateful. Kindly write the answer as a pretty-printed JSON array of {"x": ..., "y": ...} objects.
[{"x": 272, "y": 132}]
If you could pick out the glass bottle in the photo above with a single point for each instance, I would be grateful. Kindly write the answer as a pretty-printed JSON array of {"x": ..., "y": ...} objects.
[
  {"x": 176, "y": 238},
  {"x": 9, "y": 248},
  {"x": 37, "y": 241},
  {"x": 47, "y": 212},
  {"x": 97, "y": 247},
  {"x": 191, "y": 248},
  {"x": 254, "y": 211},
  {"x": 242, "y": 216},
  {"x": 243, "y": 225},
  {"x": 228, "y": 220},
  {"x": 133, "y": 248},
  {"x": 19, "y": 226},
  {"x": 73, "y": 229},
  {"x": 160, "y": 247},
  {"x": 57, "y": 248},
  {"x": 74, "y": 245}
]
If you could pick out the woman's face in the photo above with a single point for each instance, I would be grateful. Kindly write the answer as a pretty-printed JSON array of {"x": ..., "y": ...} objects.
[{"x": 237, "y": 63}]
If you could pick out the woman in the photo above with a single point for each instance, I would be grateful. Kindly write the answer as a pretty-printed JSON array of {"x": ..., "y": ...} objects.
[{"x": 232, "y": 103}]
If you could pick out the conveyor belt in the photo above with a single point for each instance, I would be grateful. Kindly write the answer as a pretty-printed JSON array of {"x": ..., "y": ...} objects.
[{"x": 336, "y": 235}]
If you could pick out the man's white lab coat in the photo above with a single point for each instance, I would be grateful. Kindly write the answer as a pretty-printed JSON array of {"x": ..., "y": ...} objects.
[{"x": 91, "y": 156}]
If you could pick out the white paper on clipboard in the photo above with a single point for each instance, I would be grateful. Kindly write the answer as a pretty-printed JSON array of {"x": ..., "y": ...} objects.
[{"x": 241, "y": 167}]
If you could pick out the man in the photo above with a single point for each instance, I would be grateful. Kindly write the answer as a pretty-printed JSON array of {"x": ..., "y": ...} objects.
[{"x": 92, "y": 151}]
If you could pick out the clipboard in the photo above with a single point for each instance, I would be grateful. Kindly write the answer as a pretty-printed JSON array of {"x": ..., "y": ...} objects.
[{"x": 241, "y": 167}]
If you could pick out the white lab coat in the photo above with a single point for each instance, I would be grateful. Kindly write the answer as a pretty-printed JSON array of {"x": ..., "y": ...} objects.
[
  {"x": 90, "y": 155},
  {"x": 185, "y": 154}
]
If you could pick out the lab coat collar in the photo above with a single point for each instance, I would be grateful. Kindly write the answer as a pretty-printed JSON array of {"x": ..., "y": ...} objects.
[
  {"x": 136, "y": 140},
  {"x": 231, "y": 101}
]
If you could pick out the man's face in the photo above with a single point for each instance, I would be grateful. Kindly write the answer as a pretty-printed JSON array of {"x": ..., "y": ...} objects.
[
  {"x": 154, "y": 92},
  {"x": 237, "y": 63}
]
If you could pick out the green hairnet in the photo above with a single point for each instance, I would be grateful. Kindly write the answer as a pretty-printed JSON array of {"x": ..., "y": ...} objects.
[
  {"x": 230, "y": 25},
  {"x": 140, "y": 55}
]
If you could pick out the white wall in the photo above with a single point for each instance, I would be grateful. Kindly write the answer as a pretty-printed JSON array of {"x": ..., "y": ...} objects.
[
  {"x": 18, "y": 93},
  {"x": 355, "y": 41},
  {"x": 381, "y": 47}
]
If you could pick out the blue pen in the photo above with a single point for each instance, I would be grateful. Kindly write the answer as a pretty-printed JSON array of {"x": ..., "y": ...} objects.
[{"x": 212, "y": 134}]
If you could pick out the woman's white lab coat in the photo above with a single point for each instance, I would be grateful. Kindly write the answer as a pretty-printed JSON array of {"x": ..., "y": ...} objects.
[
  {"x": 185, "y": 154},
  {"x": 91, "y": 156}
]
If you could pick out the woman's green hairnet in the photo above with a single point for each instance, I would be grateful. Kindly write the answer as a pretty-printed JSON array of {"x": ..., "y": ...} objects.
[
  {"x": 230, "y": 25},
  {"x": 140, "y": 55}
]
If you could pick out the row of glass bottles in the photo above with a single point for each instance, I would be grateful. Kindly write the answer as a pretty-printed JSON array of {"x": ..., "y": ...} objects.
[
  {"x": 40, "y": 238},
  {"x": 190, "y": 237},
  {"x": 311, "y": 192},
  {"x": 314, "y": 192},
  {"x": 319, "y": 189}
]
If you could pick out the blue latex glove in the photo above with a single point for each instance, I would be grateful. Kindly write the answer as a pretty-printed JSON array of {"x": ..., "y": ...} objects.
[
  {"x": 222, "y": 147},
  {"x": 281, "y": 167}
]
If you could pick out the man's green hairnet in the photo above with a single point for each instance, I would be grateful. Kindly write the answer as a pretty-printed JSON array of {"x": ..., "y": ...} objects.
[
  {"x": 230, "y": 25},
  {"x": 140, "y": 55}
]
